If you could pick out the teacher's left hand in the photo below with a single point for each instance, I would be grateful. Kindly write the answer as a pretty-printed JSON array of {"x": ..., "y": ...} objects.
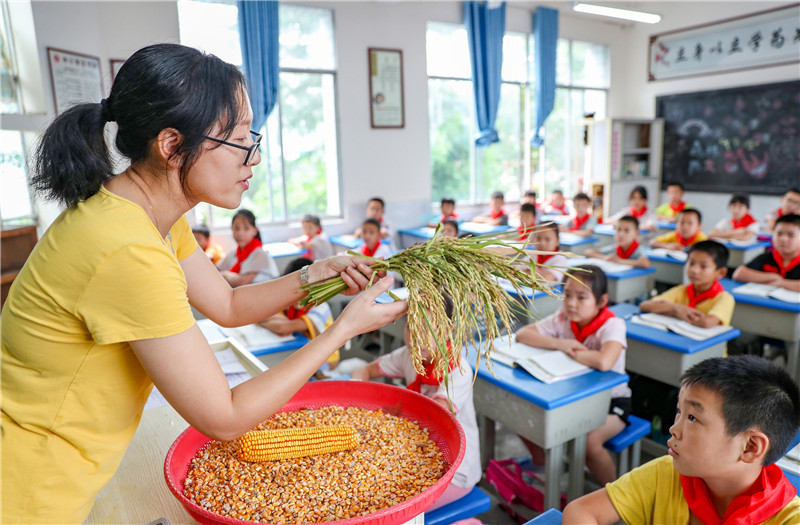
[{"x": 355, "y": 272}]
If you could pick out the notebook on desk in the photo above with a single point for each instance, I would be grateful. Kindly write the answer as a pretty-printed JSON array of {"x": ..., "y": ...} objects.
[
  {"x": 765, "y": 290},
  {"x": 606, "y": 266},
  {"x": 678, "y": 255},
  {"x": 667, "y": 323},
  {"x": 548, "y": 366}
]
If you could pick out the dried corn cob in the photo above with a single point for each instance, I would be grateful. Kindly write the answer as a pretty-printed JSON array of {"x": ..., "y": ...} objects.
[{"x": 286, "y": 443}]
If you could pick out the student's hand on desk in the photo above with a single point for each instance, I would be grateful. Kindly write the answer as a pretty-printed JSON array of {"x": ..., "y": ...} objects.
[
  {"x": 355, "y": 271},
  {"x": 363, "y": 314},
  {"x": 571, "y": 347}
]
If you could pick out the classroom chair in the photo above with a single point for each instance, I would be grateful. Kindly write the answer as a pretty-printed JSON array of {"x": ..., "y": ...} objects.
[
  {"x": 628, "y": 444},
  {"x": 474, "y": 503}
]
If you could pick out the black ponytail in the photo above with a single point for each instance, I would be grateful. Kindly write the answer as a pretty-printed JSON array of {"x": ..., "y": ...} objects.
[
  {"x": 71, "y": 160},
  {"x": 160, "y": 86}
]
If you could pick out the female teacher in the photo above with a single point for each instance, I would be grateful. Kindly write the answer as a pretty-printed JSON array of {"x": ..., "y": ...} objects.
[{"x": 100, "y": 312}]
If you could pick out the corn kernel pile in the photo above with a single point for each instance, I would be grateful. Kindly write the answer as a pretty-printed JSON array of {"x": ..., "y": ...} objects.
[{"x": 395, "y": 460}]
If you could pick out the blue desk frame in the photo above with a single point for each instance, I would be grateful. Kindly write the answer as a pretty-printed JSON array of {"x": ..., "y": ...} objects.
[{"x": 739, "y": 255}]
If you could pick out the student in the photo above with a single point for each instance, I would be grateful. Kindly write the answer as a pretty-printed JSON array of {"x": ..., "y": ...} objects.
[
  {"x": 687, "y": 232},
  {"x": 741, "y": 226},
  {"x": 638, "y": 209},
  {"x": 587, "y": 331},
  {"x": 527, "y": 221},
  {"x": 529, "y": 197},
  {"x": 497, "y": 213},
  {"x": 736, "y": 417},
  {"x": 310, "y": 320},
  {"x": 790, "y": 205},
  {"x": 101, "y": 310},
  {"x": 313, "y": 240},
  {"x": 582, "y": 223},
  {"x": 627, "y": 250},
  {"x": 249, "y": 263},
  {"x": 457, "y": 385},
  {"x": 448, "y": 207},
  {"x": 668, "y": 212},
  {"x": 203, "y": 237},
  {"x": 545, "y": 238},
  {"x": 556, "y": 205},
  {"x": 376, "y": 209},
  {"x": 703, "y": 302},
  {"x": 450, "y": 228},
  {"x": 373, "y": 247},
  {"x": 780, "y": 266}
]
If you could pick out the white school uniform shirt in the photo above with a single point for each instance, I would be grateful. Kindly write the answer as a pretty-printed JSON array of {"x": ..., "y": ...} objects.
[
  {"x": 320, "y": 247},
  {"x": 258, "y": 261},
  {"x": 398, "y": 364},
  {"x": 557, "y": 260},
  {"x": 638, "y": 253},
  {"x": 726, "y": 225},
  {"x": 557, "y": 325},
  {"x": 647, "y": 220}
]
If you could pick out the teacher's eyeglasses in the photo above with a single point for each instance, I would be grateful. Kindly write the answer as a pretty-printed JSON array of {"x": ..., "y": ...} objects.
[{"x": 251, "y": 150}]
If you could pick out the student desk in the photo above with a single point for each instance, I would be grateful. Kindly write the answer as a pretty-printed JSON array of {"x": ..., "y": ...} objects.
[
  {"x": 668, "y": 270},
  {"x": 663, "y": 355},
  {"x": 351, "y": 242},
  {"x": 409, "y": 236},
  {"x": 558, "y": 219},
  {"x": 268, "y": 347},
  {"x": 549, "y": 517},
  {"x": 549, "y": 415},
  {"x": 478, "y": 228},
  {"x": 575, "y": 243},
  {"x": 539, "y": 304},
  {"x": 768, "y": 317},
  {"x": 283, "y": 253},
  {"x": 742, "y": 253},
  {"x": 623, "y": 286}
]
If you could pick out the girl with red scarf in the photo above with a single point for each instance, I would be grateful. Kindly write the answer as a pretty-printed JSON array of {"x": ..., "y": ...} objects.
[
  {"x": 249, "y": 263},
  {"x": 587, "y": 331},
  {"x": 736, "y": 416},
  {"x": 638, "y": 209},
  {"x": 741, "y": 226}
]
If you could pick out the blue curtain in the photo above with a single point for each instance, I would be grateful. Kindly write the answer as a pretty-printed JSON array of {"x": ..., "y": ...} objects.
[
  {"x": 486, "y": 24},
  {"x": 258, "y": 32},
  {"x": 545, "y": 38}
]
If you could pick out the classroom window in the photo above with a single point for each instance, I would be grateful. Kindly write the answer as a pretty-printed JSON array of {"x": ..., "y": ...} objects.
[{"x": 299, "y": 169}]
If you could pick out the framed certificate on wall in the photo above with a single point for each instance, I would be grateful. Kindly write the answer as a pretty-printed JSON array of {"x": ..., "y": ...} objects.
[
  {"x": 386, "y": 88},
  {"x": 75, "y": 78}
]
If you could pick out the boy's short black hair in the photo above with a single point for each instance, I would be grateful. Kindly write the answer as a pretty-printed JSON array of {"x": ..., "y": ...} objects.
[
  {"x": 594, "y": 278},
  {"x": 448, "y": 200},
  {"x": 451, "y": 222},
  {"x": 312, "y": 219},
  {"x": 795, "y": 189},
  {"x": 740, "y": 198},
  {"x": 631, "y": 219},
  {"x": 694, "y": 211},
  {"x": 756, "y": 393},
  {"x": 530, "y": 193},
  {"x": 202, "y": 229},
  {"x": 379, "y": 200},
  {"x": 498, "y": 195},
  {"x": 678, "y": 184},
  {"x": 296, "y": 264},
  {"x": 528, "y": 208},
  {"x": 791, "y": 218},
  {"x": 718, "y": 252},
  {"x": 373, "y": 222},
  {"x": 559, "y": 192},
  {"x": 641, "y": 190},
  {"x": 581, "y": 197}
]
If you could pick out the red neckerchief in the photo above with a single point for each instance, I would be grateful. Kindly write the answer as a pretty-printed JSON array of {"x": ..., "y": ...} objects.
[
  {"x": 780, "y": 212},
  {"x": 524, "y": 232},
  {"x": 370, "y": 252},
  {"x": 637, "y": 214},
  {"x": 782, "y": 268},
  {"x": 244, "y": 253},
  {"x": 627, "y": 253},
  {"x": 770, "y": 493},
  {"x": 679, "y": 208},
  {"x": 582, "y": 333},
  {"x": 712, "y": 292},
  {"x": 453, "y": 216},
  {"x": 744, "y": 222},
  {"x": 429, "y": 378},
  {"x": 686, "y": 242},
  {"x": 578, "y": 222},
  {"x": 542, "y": 258},
  {"x": 562, "y": 208},
  {"x": 293, "y": 313},
  {"x": 497, "y": 214}
]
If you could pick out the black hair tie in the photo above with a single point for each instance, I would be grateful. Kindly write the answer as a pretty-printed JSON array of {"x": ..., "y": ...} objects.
[{"x": 105, "y": 111}]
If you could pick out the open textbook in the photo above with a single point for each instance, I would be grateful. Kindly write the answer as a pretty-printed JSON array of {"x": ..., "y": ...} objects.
[
  {"x": 606, "y": 266},
  {"x": 665, "y": 322},
  {"x": 678, "y": 255},
  {"x": 548, "y": 366},
  {"x": 765, "y": 290}
]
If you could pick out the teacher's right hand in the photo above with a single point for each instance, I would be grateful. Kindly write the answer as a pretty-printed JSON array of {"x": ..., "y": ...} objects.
[{"x": 364, "y": 315}]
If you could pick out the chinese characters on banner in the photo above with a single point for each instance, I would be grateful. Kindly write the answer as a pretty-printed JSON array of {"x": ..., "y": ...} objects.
[{"x": 757, "y": 40}]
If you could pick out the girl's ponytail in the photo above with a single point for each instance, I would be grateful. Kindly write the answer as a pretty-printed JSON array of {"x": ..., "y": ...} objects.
[{"x": 71, "y": 160}]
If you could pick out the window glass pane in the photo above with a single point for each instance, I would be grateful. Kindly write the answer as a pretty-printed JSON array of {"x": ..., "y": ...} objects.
[
  {"x": 590, "y": 64},
  {"x": 15, "y": 203},
  {"x": 447, "y": 50},
  {"x": 556, "y": 146},
  {"x": 212, "y": 27},
  {"x": 450, "y": 110},
  {"x": 306, "y": 37},
  {"x": 562, "y": 62},
  {"x": 594, "y": 101},
  {"x": 514, "y": 57},
  {"x": 9, "y": 92},
  {"x": 501, "y": 163}
]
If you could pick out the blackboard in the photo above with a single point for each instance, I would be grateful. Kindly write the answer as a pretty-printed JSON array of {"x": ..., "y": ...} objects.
[{"x": 741, "y": 139}]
